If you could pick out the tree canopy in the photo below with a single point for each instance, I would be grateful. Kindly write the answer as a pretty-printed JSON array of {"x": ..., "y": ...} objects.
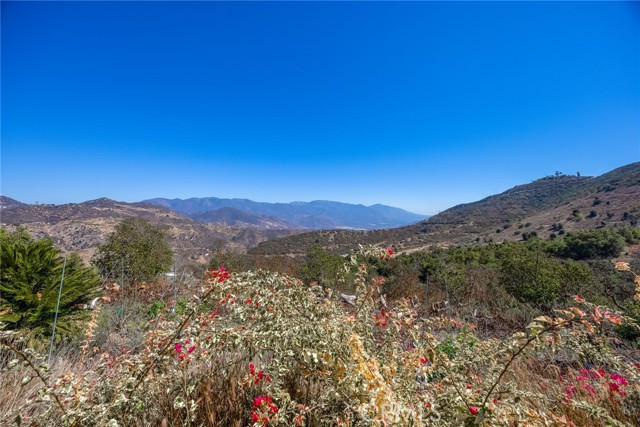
[{"x": 136, "y": 249}]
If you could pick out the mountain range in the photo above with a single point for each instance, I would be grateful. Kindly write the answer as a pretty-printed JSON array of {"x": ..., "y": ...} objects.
[
  {"x": 318, "y": 214},
  {"x": 211, "y": 223},
  {"x": 545, "y": 207},
  {"x": 542, "y": 207}
]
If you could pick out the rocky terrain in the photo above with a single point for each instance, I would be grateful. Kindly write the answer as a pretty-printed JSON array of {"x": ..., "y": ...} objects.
[{"x": 80, "y": 227}]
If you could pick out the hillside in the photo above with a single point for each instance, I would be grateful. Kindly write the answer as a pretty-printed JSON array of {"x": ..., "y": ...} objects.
[
  {"x": 238, "y": 218},
  {"x": 79, "y": 227},
  {"x": 319, "y": 214},
  {"x": 543, "y": 206}
]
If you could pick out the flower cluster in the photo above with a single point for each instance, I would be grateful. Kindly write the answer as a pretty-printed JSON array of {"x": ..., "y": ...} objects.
[
  {"x": 589, "y": 382},
  {"x": 259, "y": 376},
  {"x": 184, "y": 350},
  {"x": 219, "y": 275},
  {"x": 263, "y": 410}
]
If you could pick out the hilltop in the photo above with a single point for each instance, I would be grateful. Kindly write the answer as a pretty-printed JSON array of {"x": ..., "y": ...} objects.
[{"x": 553, "y": 204}]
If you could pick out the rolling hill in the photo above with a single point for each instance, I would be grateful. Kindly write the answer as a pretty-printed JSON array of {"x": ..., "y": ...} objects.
[
  {"x": 80, "y": 227},
  {"x": 542, "y": 206}
]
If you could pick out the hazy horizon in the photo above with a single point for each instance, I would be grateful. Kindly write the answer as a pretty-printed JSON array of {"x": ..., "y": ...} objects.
[{"x": 416, "y": 105}]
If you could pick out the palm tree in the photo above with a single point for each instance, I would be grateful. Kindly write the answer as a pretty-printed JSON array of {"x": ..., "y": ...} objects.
[{"x": 31, "y": 271}]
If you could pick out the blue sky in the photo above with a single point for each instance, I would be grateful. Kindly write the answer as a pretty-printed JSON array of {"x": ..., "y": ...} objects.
[{"x": 419, "y": 105}]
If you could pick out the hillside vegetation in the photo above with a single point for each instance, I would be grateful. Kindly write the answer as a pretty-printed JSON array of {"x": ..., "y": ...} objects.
[
  {"x": 545, "y": 206},
  {"x": 260, "y": 348}
]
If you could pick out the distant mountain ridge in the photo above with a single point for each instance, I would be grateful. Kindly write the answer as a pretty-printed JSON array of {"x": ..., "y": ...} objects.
[
  {"x": 570, "y": 203},
  {"x": 318, "y": 214}
]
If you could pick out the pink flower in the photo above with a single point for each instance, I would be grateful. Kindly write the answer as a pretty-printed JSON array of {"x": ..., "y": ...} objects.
[
  {"x": 178, "y": 347},
  {"x": 474, "y": 410},
  {"x": 190, "y": 349},
  {"x": 615, "y": 388},
  {"x": 619, "y": 379}
]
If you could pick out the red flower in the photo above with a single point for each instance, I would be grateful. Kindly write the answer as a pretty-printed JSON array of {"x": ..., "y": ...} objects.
[
  {"x": 474, "y": 410},
  {"x": 252, "y": 369},
  {"x": 190, "y": 350},
  {"x": 390, "y": 251},
  {"x": 273, "y": 408},
  {"x": 424, "y": 360},
  {"x": 254, "y": 416},
  {"x": 258, "y": 401},
  {"x": 619, "y": 379},
  {"x": 260, "y": 375}
]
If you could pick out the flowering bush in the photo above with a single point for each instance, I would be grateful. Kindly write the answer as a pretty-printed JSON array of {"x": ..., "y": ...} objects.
[{"x": 259, "y": 348}]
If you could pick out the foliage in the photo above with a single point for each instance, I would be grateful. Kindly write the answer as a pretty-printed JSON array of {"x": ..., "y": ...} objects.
[
  {"x": 260, "y": 348},
  {"x": 232, "y": 261},
  {"x": 30, "y": 282},
  {"x": 323, "y": 267},
  {"x": 604, "y": 243},
  {"x": 533, "y": 277},
  {"x": 135, "y": 249}
]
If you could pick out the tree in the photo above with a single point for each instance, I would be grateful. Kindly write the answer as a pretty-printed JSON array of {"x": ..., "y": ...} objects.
[
  {"x": 136, "y": 249},
  {"x": 323, "y": 267},
  {"x": 29, "y": 284}
]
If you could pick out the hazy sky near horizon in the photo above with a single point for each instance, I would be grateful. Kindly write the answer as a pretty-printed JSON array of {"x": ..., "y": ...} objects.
[{"x": 418, "y": 105}]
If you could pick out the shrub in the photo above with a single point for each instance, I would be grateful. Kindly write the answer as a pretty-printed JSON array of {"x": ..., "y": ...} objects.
[
  {"x": 260, "y": 348},
  {"x": 29, "y": 286},
  {"x": 592, "y": 244},
  {"x": 533, "y": 277}
]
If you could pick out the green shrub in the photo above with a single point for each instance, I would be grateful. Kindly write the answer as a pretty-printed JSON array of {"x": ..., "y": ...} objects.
[
  {"x": 29, "y": 286},
  {"x": 591, "y": 244},
  {"x": 136, "y": 249}
]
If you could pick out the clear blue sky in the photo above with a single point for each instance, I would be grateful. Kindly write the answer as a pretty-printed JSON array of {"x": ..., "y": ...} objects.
[{"x": 416, "y": 105}]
